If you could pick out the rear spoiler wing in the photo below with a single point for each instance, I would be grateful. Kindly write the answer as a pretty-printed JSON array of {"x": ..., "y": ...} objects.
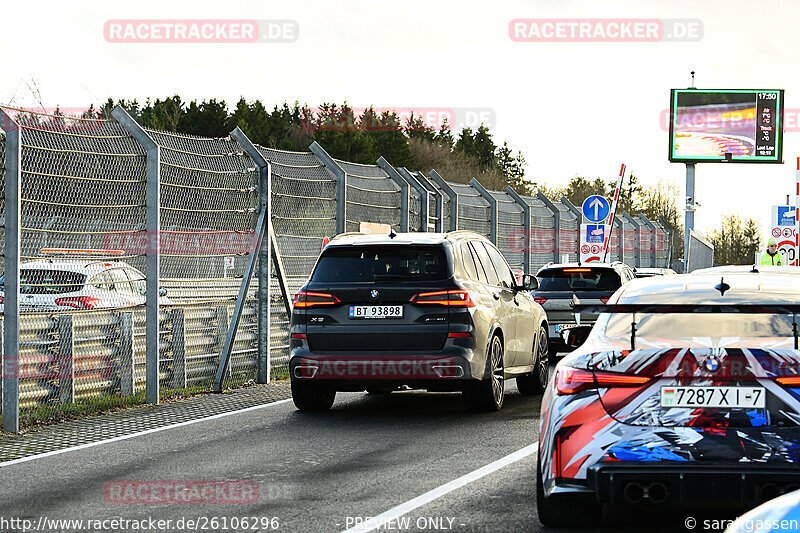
[{"x": 772, "y": 309}]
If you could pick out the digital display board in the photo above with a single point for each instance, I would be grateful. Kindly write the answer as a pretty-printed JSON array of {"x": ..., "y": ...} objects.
[{"x": 735, "y": 125}]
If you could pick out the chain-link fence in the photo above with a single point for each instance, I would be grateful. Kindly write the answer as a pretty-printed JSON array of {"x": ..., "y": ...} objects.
[{"x": 92, "y": 190}]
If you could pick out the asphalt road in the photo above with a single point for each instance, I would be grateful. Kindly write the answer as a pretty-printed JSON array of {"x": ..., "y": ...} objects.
[{"x": 313, "y": 472}]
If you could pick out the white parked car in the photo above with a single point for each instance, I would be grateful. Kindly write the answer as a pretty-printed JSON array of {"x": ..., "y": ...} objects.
[{"x": 60, "y": 284}]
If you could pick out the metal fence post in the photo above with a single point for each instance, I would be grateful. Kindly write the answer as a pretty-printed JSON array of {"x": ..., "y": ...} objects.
[
  {"x": 264, "y": 271},
  {"x": 11, "y": 363},
  {"x": 152, "y": 253},
  {"x": 453, "y": 198},
  {"x": 556, "y": 224},
  {"x": 492, "y": 208},
  {"x": 127, "y": 373},
  {"x": 577, "y": 212},
  {"x": 637, "y": 255},
  {"x": 66, "y": 359},
  {"x": 526, "y": 227},
  {"x": 341, "y": 185},
  {"x": 424, "y": 196},
  {"x": 178, "y": 319}
]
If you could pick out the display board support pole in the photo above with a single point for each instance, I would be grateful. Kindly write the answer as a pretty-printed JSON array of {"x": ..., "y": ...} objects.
[
  {"x": 689, "y": 219},
  {"x": 797, "y": 211}
]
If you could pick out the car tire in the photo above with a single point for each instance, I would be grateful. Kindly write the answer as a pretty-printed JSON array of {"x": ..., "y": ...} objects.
[
  {"x": 565, "y": 510},
  {"x": 536, "y": 382},
  {"x": 488, "y": 394},
  {"x": 312, "y": 396}
]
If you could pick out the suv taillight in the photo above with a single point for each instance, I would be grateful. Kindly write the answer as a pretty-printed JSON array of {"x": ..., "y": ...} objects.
[
  {"x": 310, "y": 299},
  {"x": 605, "y": 300},
  {"x": 452, "y": 298},
  {"x": 574, "y": 380},
  {"x": 78, "y": 302},
  {"x": 539, "y": 300}
]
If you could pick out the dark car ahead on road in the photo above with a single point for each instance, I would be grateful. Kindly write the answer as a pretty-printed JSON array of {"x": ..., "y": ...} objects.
[
  {"x": 440, "y": 312},
  {"x": 590, "y": 282},
  {"x": 685, "y": 395}
]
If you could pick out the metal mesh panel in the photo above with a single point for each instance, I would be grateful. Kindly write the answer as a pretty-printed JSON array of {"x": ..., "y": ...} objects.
[
  {"x": 646, "y": 246},
  {"x": 541, "y": 241},
  {"x": 510, "y": 229},
  {"x": 568, "y": 234},
  {"x": 2, "y": 200},
  {"x": 82, "y": 186},
  {"x": 662, "y": 245},
  {"x": 629, "y": 242},
  {"x": 473, "y": 209},
  {"x": 701, "y": 253},
  {"x": 208, "y": 215},
  {"x": 414, "y": 210},
  {"x": 371, "y": 196},
  {"x": 303, "y": 207},
  {"x": 614, "y": 250},
  {"x": 442, "y": 207}
]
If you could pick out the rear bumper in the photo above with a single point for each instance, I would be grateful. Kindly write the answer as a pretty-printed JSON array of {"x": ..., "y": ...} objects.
[
  {"x": 447, "y": 369},
  {"x": 687, "y": 485}
]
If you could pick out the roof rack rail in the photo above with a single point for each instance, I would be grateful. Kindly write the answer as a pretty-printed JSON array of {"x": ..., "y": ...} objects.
[{"x": 348, "y": 234}]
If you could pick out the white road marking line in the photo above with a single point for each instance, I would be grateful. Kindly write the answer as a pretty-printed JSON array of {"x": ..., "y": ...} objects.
[
  {"x": 138, "y": 434},
  {"x": 404, "y": 508}
]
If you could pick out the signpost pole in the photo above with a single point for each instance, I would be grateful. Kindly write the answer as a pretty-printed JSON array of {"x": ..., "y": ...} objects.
[
  {"x": 689, "y": 222},
  {"x": 797, "y": 211}
]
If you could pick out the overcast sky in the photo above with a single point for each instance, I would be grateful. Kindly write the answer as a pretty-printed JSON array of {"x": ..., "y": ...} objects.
[{"x": 576, "y": 108}]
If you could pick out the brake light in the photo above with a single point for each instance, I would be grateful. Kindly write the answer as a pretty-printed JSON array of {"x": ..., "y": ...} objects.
[
  {"x": 459, "y": 335},
  {"x": 789, "y": 381},
  {"x": 605, "y": 300},
  {"x": 310, "y": 299},
  {"x": 452, "y": 298},
  {"x": 2, "y": 299},
  {"x": 539, "y": 300},
  {"x": 573, "y": 380},
  {"x": 79, "y": 302},
  {"x": 298, "y": 335},
  {"x": 575, "y": 270}
]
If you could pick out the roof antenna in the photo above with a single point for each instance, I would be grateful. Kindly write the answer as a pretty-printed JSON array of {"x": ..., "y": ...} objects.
[
  {"x": 755, "y": 270},
  {"x": 722, "y": 286},
  {"x": 392, "y": 234}
]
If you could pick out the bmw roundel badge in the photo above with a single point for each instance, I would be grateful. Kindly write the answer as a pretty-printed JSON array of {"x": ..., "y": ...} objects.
[
  {"x": 712, "y": 363},
  {"x": 374, "y": 293}
]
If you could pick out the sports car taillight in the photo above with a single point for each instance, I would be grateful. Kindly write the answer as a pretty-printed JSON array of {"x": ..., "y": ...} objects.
[
  {"x": 574, "y": 380},
  {"x": 452, "y": 298},
  {"x": 789, "y": 381},
  {"x": 605, "y": 300},
  {"x": 78, "y": 302},
  {"x": 310, "y": 299}
]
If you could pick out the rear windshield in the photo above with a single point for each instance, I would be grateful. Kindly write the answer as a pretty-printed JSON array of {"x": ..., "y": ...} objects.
[
  {"x": 734, "y": 327},
  {"x": 579, "y": 279},
  {"x": 35, "y": 281},
  {"x": 382, "y": 263}
]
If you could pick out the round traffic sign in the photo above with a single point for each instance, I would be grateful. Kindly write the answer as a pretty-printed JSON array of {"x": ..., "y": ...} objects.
[
  {"x": 776, "y": 232},
  {"x": 595, "y": 249},
  {"x": 585, "y": 249},
  {"x": 596, "y": 208},
  {"x": 787, "y": 232}
]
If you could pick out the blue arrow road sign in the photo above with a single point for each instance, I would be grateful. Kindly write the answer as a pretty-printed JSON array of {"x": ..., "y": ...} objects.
[{"x": 596, "y": 208}]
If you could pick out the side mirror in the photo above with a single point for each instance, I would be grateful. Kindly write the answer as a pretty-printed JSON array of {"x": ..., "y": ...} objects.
[
  {"x": 162, "y": 291},
  {"x": 529, "y": 282},
  {"x": 575, "y": 336}
]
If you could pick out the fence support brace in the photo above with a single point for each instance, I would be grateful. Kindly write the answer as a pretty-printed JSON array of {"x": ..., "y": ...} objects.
[
  {"x": 453, "y": 198},
  {"x": 671, "y": 231},
  {"x": 404, "y": 191},
  {"x": 152, "y": 253},
  {"x": 653, "y": 239},
  {"x": 424, "y": 197}
]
